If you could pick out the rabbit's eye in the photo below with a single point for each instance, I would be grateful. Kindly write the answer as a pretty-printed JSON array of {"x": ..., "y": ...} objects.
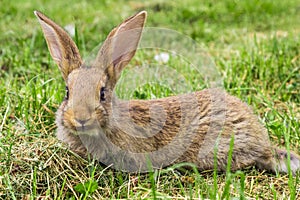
[
  {"x": 67, "y": 93},
  {"x": 102, "y": 94}
]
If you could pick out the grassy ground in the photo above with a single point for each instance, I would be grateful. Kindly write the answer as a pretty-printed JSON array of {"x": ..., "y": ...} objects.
[{"x": 255, "y": 45}]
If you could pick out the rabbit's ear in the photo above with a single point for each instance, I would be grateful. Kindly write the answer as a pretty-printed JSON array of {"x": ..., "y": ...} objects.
[
  {"x": 62, "y": 48},
  {"x": 120, "y": 46}
]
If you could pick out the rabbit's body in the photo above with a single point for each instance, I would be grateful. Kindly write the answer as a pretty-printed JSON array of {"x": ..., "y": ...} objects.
[
  {"x": 251, "y": 143},
  {"x": 183, "y": 128}
]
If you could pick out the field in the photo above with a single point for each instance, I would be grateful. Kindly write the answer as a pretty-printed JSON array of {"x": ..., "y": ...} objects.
[{"x": 254, "y": 54}]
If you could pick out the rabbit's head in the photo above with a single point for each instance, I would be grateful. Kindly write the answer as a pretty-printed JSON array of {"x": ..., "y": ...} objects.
[{"x": 89, "y": 88}]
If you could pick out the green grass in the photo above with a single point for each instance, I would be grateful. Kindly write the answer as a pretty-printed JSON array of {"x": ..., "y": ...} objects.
[{"x": 255, "y": 45}]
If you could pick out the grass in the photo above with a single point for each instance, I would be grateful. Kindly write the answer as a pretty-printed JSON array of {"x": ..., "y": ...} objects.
[{"x": 255, "y": 45}]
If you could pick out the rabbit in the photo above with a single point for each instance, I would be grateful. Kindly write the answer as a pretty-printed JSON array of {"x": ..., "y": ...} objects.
[{"x": 196, "y": 127}]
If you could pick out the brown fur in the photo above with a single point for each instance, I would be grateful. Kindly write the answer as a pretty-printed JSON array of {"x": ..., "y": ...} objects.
[{"x": 183, "y": 128}]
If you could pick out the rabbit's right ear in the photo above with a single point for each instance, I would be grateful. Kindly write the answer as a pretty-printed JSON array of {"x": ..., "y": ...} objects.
[{"x": 62, "y": 48}]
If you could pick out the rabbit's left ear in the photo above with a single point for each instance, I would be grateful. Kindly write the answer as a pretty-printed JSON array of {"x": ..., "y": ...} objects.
[{"x": 120, "y": 46}]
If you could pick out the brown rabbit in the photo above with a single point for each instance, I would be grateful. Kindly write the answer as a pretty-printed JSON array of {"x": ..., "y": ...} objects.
[{"x": 131, "y": 134}]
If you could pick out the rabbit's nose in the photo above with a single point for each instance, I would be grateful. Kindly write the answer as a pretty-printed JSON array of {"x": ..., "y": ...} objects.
[{"x": 82, "y": 122}]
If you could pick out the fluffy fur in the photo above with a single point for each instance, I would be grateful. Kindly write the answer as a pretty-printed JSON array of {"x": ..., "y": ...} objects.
[{"x": 183, "y": 128}]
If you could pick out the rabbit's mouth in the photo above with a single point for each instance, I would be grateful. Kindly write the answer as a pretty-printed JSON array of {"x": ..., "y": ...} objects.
[
  {"x": 86, "y": 128},
  {"x": 85, "y": 131}
]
